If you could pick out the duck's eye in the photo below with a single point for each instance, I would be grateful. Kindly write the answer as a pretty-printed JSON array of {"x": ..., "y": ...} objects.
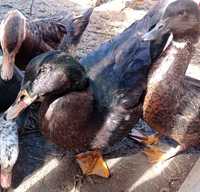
[
  {"x": 22, "y": 97},
  {"x": 160, "y": 26}
]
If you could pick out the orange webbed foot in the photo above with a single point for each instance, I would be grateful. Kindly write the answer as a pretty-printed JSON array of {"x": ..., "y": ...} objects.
[
  {"x": 154, "y": 154},
  {"x": 148, "y": 140},
  {"x": 92, "y": 163}
]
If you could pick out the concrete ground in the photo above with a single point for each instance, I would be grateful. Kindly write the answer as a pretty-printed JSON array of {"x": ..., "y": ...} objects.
[
  {"x": 191, "y": 183},
  {"x": 43, "y": 167}
]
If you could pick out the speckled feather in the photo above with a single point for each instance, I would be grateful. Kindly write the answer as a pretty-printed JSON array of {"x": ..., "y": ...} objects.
[
  {"x": 8, "y": 143},
  {"x": 172, "y": 102}
]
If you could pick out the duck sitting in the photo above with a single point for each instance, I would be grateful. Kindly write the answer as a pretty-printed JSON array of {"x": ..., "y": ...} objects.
[
  {"x": 22, "y": 39},
  {"x": 92, "y": 104},
  {"x": 172, "y": 102}
]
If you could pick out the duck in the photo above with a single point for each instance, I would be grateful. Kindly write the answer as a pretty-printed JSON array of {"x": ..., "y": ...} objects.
[
  {"x": 172, "y": 100},
  {"x": 9, "y": 150},
  {"x": 22, "y": 38},
  {"x": 10, "y": 133},
  {"x": 8, "y": 128},
  {"x": 88, "y": 105}
]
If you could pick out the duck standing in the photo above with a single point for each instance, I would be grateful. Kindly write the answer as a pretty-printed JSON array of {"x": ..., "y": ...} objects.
[
  {"x": 172, "y": 102},
  {"x": 22, "y": 39}
]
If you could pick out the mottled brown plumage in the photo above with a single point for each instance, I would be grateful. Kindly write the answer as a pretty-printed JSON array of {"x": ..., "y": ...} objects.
[{"x": 172, "y": 102}]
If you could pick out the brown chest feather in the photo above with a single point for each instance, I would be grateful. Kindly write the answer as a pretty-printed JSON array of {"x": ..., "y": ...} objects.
[{"x": 164, "y": 85}]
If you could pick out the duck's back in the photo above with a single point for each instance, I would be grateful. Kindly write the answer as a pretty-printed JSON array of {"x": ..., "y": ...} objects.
[
  {"x": 49, "y": 30},
  {"x": 41, "y": 35},
  {"x": 57, "y": 32},
  {"x": 121, "y": 64}
]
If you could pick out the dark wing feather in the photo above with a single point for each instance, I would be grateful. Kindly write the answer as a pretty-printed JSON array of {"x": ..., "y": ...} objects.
[
  {"x": 48, "y": 31},
  {"x": 122, "y": 63}
]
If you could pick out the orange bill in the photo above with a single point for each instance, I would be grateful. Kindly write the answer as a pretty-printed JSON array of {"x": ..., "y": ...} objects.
[{"x": 22, "y": 102}]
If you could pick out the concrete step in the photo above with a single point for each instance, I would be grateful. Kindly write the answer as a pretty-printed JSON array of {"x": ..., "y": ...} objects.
[{"x": 192, "y": 182}]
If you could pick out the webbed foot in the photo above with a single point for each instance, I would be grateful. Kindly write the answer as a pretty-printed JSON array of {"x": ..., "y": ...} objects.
[
  {"x": 140, "y": 137},
  {"x": 92, "y": 163},
  {"x": 155, "y": 154}
]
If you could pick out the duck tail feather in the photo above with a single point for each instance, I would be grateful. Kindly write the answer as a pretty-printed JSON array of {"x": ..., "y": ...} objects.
[{"x": 75, "y": 30}]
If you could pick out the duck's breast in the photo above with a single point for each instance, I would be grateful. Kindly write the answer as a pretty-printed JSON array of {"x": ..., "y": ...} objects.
[
  {"x": 165, "y": 86},
  {"x": 64, "y": 120}
]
